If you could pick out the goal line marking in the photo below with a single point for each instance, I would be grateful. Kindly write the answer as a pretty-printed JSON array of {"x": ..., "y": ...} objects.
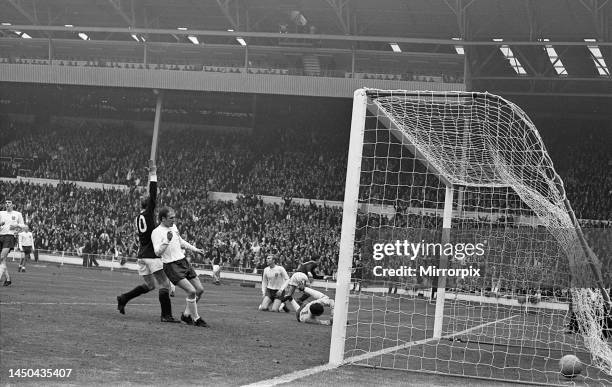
[{"x": 287, "y": 378}]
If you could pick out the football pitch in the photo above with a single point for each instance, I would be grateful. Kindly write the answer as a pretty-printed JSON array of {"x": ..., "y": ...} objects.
[
  {"x": 480, "y": 340},
  {"x": 65, "y": 317}
]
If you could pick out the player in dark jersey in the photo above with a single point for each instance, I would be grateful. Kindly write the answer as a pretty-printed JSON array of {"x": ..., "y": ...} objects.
[
  {"x": 308, "y": 268},
  {"x": 217, "y": 260},
  {"x": 150, "y": 266}
]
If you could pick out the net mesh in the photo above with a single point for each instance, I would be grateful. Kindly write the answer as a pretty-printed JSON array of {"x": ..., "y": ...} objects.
[{"x": 537, "y": 295}]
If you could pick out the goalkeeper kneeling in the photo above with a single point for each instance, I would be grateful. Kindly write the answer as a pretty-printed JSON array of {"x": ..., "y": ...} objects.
[{"x": 311, "y": 312}]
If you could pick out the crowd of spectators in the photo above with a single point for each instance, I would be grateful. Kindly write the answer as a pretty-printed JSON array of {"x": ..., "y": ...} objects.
[
  {"x": 295, "y": 162},
  {"x": 76, "y": 220},
  {"x": 584, "y": 161},
  {"x": 290, "y": 163}
]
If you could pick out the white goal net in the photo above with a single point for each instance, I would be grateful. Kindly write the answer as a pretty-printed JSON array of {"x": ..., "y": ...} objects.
[{"x": 460, "y": 253}]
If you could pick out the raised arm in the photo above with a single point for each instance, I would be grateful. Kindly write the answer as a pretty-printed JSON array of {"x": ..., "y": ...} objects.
[{"x": 152, "y": 186}]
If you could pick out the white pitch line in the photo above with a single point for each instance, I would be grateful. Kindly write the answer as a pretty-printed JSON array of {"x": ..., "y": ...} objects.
[
  {"x": 73, "y": 279},
  {"x": 66, "y": 303},
  {"x": 292, "y": 376},
  {"x": 287, "y": 378}
]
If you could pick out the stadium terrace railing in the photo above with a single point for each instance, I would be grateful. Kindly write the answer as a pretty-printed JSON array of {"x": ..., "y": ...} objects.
[{"x": 391, "y": 75}]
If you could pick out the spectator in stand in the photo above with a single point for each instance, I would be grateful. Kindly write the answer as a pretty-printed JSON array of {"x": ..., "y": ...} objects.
[{"x": 90, "y": 251}]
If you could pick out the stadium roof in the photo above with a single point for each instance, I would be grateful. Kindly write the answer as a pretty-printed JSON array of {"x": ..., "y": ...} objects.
[{"x": 499, "y": 37}]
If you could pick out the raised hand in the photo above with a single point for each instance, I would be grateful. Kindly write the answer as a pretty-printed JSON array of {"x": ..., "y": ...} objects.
[{"x": 152, "y": 167}]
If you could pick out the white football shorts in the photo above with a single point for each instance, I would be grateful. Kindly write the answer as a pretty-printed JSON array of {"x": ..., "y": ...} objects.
[{"x": 148, "y": 266}]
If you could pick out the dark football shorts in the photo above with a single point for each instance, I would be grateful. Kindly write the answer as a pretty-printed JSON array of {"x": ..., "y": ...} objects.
[
  {"x": 271, "y": 293},
  {"x": 27, "y": 250},
  {"x": 7, "y": 241},
  {"x": 177, "y": 270}
]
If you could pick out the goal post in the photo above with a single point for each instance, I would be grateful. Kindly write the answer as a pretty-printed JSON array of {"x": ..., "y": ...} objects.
[
  {"x": 441, "y": 285},
  {"x": 474, "y": 263},
  {"x": 347, "y": 236}
]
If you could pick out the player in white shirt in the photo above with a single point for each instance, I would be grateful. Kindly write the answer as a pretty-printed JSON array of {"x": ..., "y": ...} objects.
[
  {"x": 273, "y": 279},
  {"x": 11, "y": 222},
  {"x": 297, "y": 281},
  {"x": 309, "y": 313},
  {"x": 168, "y": 245},
  {"x": 26, "y": 244}
]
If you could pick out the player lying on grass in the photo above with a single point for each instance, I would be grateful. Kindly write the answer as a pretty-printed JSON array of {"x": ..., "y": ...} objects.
[
  {"x": 272, "y": 281},
  {"x": 297, "y": 281},
  {"x": 310, "y": 313}
]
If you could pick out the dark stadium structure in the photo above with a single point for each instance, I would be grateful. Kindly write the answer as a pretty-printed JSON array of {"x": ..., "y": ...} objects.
[{"x": 338, "y": 37}]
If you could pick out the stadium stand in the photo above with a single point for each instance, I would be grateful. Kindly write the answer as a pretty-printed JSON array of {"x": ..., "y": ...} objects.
[
  {"x": 294, "y": 162},
  {"x": 290, "y": 163}
]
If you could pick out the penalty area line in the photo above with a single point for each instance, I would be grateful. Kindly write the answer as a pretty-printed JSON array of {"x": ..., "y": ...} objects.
[{"x": 287, "y": 378}]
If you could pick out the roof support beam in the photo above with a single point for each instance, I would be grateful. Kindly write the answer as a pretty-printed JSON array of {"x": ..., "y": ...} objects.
[
  {"x": 225, "y": 9},
  {"x": 534, "y": 23},
  {"x": 525, "y": 61},
  {"x": 598, "y": 15},
  {"x": 344, "y": 38},
  {"x": 18, "y": 6},
  {"x": 31, "y": 18},
  {"x": 477, "y": 69},
  {"x": 117, "y": 6},
  {"x": 460, "y": 8},
  {"x": 341, "y": 9}
]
